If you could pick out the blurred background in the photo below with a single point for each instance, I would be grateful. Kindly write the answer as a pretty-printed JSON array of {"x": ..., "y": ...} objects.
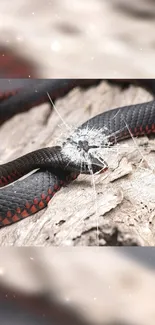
[
  {"x": 82, "y": 38},
  {"x": 77, "y": 286}
]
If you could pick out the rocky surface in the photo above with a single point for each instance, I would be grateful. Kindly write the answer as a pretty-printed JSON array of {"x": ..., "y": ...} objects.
[{"x": 119, "y": 210}]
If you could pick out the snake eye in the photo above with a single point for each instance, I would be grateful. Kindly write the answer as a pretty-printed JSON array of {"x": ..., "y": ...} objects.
[{"x": 83, "y": 145}]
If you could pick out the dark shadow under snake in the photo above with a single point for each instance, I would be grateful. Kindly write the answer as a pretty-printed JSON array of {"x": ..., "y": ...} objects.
[{"x": 56, "y": 166}]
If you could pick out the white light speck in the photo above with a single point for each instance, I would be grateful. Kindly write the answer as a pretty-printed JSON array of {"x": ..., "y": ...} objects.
[
  {"x": 95, "y": 298},
  {"x": 55, "y": 46},
  {"x": 115, "y": 73},
  {"x": 67, "y": 299},
  {"x": 19, "y": 38},
  {"x": 92, "y": 27},
  {"x": 57, "y": 16},
  {"x": 91, "y": 30},
  {"x": 29, "y": 76},
  {"x": 1, "y": 271},
  {"x": 31, "y": 258},
  {"x": 32, "y": 13},
  {"x": 68, "y": 242}
]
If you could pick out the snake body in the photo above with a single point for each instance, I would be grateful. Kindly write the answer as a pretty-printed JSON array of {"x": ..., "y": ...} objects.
[
  {"x": 24, "y": 198},
  {"x": 35, "y": 93}
]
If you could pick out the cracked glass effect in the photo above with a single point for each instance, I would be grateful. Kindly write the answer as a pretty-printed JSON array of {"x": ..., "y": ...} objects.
[{"x": 83, "y": 147}]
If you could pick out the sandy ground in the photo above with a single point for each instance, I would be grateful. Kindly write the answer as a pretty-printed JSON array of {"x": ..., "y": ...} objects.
[{"x": 96, "y": 38}]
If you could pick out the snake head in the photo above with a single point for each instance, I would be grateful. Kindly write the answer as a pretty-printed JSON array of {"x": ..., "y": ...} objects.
[{"x": 83, "y": 155}]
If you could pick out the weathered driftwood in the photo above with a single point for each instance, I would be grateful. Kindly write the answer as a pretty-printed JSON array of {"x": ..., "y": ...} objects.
[{"x": 121, "y": 208}]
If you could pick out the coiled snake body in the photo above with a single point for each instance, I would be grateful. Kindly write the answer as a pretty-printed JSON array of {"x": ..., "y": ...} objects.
[{"x": 56, "y": 168}]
